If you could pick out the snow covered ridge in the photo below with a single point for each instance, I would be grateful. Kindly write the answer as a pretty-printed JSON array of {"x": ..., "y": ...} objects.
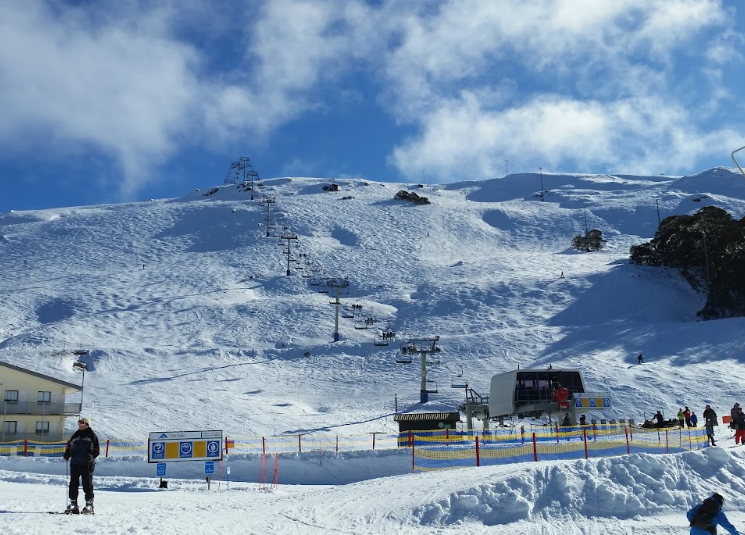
[
  {"x": 617, "y": 495},
  {"x": 615, "y": 488},
  {"x": 192, "y": 323}
]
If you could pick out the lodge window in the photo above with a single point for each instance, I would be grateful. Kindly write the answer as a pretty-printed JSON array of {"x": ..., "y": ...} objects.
[
  {"x": 10, "y": 428},
  {"x": 43, "y": 398},
  {"x": 11, "y": 396},
  {"x": 42, "y": 428},
  {"x": 537, "y": 386}
]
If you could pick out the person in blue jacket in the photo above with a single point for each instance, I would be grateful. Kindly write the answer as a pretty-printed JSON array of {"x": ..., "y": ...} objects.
[{"x": 714, "y": 518}]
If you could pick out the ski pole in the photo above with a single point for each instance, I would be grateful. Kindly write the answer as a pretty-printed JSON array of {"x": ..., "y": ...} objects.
[{"x": 67, "y": 478}]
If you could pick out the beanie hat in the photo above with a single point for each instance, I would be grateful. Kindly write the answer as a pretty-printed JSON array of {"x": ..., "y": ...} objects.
[
  {"x": 718, "y": 498},
  {"x": 87, "y": 421}
]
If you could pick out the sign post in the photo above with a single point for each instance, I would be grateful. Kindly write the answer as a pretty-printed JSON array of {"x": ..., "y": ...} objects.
[{"x": 172, "y": 446}]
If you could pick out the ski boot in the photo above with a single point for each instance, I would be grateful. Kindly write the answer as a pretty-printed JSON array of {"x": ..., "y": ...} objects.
[
  {"x": 72, "y": 508},
  {"x": 88, "y": 509}
]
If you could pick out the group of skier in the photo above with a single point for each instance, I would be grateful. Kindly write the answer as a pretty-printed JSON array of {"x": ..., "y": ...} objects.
[{"x": 686, "y": 418}]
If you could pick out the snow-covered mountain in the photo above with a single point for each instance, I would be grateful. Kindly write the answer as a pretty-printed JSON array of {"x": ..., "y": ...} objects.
[
  {"x": 191, "y": 322},
  {"x": 190, "y": 318}
]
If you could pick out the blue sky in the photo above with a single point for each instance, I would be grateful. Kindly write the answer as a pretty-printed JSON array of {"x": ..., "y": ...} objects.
[{"x": 115, "y": 100}]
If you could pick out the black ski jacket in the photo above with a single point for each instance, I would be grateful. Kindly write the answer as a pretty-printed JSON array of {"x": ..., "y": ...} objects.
[{"x": 82, "y": 448}]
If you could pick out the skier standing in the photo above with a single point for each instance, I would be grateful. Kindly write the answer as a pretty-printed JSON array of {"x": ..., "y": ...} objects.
[
  {"x": 739, "y": 421},
  {"x": 81, "y": 450},
  {"x": 710, "y": 414},
  {"x": 710, "y": 422},
  {"x": 732, "y": 413}
]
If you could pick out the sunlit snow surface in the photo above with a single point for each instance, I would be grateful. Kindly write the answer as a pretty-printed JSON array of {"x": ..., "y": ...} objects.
[{"x": 212, "y": 334}]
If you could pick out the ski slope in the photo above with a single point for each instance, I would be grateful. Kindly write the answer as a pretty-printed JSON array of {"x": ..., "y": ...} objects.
[{"x": 191, "y": 322}]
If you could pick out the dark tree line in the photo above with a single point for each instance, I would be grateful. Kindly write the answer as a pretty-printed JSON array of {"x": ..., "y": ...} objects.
[{"x": 708, "y": 248}]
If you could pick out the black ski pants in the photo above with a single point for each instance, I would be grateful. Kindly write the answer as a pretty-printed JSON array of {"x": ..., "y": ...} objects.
[{"x": 77, "y": 472}]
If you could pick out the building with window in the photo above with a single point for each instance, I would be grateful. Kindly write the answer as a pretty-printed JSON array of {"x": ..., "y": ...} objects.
[{"x": 34, "y": 405}]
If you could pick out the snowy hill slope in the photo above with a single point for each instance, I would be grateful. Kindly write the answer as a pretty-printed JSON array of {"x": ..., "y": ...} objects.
[{"x": 191, "y": 321}]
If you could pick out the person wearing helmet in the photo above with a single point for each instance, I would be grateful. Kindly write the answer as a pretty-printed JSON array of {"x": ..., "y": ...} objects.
[
  {"x": 81, "y": 450},
  {"x": 705, "y": 517}
]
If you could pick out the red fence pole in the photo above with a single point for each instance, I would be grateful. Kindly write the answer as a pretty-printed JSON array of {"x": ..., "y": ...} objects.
[
  {"x": 275, "y": 481},
  {"x": 584, "y": 437},
  {"x": 263, "y": 445},
  {"x": 522, "y": 434},
  {"x": 626, "y": 430},
  {"x": 299, "y": 444},
  {"x": 373, "y": 440},
  {"x": 447, "y": 436},
  {"x": 107, "y": 447},
  {"x": 478, "y": 458},
  {"x": 535, "y": 450},
  {"x": 337, "y": 443},
  {"x": 411, "y": 439},
  {"x": 690, "y": 444},
  {"x": 556, "y": 427},
  {"x": 413, "y": 463},
  {"x": 25, "y": 447},
  {"x": 667, "y": 441}
]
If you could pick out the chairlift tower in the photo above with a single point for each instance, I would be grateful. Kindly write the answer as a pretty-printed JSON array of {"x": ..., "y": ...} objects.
[
  {"x": 288, "y": 236},
  {"x": 337, "y": 283},
  {"x": 268, "y": 201},
  {"x": 232, "y": 176},
  {"x": 424, "y": 347},
  {"x": 240, "y": 167},
  {"x": 254, "y": 175}
]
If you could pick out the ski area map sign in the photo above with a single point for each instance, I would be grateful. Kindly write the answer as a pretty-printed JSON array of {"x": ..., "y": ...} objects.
[{"x": 170, "y": 446}]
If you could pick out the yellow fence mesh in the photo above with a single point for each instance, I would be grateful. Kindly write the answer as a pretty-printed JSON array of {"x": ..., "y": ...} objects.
[{"x": 435, "y": 449}]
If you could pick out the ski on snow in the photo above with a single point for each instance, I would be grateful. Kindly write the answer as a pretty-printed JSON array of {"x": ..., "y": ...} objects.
[{"x": 70, "y": 514}]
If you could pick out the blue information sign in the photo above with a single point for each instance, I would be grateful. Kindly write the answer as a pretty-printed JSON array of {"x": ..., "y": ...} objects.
[
  {"x": 185, "y": 450},
  {"x": 161, "y": 468},
  {"x": 213, "y": 448},
  {"x": 157, "y": 450},
  {"x": 209, "y": 467}
]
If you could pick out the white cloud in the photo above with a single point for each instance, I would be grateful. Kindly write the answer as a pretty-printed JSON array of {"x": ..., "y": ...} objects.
[
  {"x": 71, "y": 84},
  {"x": 142, "y": 82},
  {"x": 296, "y": 52},
  {"x": 460, "y": 139},
  {"x": 599, "y": 85}
]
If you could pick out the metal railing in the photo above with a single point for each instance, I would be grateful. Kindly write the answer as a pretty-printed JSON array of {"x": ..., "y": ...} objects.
[
  {"x": 40, "y": 408},
  {"x": 45, "y": 438}
]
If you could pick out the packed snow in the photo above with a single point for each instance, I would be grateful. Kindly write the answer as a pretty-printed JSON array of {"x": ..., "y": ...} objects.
[{"x": 190, "y": 322}]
